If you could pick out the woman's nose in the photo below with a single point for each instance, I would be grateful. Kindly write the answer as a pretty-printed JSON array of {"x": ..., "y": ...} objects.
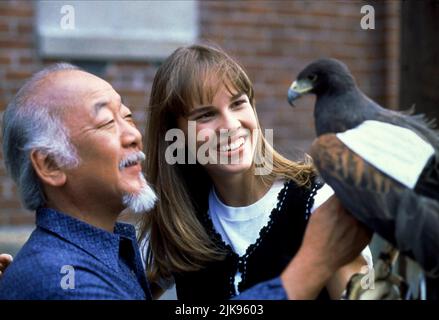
[{"x": 230, "y": 121}]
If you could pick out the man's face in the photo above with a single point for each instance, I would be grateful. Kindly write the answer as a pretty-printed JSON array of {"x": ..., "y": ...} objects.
[{"x": 103, "y": 131}]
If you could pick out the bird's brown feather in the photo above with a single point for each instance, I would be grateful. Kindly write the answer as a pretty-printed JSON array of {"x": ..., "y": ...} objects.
[
  {"x": 333, "y": 157},
  {"x": 404, "y": 217}
]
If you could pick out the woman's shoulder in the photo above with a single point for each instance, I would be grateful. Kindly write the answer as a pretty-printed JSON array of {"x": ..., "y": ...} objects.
[
  {"x": 322, "y": 194},
  {"x": 314, "y": 194}
]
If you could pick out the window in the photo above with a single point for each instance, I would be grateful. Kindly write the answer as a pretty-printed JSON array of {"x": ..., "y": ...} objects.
[{"x": 127, "y": 30}]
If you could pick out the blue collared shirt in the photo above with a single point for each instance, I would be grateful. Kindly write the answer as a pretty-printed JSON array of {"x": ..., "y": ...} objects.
[
  {"x": 65, "y": 258},
  {"x": 267, "y": 290}
]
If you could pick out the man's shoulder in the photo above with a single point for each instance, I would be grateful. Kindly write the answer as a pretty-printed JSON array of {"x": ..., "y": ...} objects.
[
  {"x": 43, "y": 267},
  {"x": 47, "y": 282},
  {"x": 32, "y": 275},
  {"x": 47, "y": 250},
  {"x": 46, "y": 275}
]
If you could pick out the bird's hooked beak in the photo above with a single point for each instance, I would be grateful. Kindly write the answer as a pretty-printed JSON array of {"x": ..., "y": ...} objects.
[{"x": 297, "y": 89}]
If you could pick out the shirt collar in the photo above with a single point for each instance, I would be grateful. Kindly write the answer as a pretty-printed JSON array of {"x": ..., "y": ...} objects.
[
  {"x": 101, "y": 244},
  {"x": 261, "y": 207}
]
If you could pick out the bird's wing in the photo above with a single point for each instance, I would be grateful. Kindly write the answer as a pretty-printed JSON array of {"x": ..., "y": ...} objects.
[
  {"x": 417, "y": 122},
  {"x": 399, "y": 152},
  {"x": 408, "y": 220}
]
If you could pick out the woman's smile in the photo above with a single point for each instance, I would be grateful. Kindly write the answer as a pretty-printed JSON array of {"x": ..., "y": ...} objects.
[{"x": 233, "y": 147}]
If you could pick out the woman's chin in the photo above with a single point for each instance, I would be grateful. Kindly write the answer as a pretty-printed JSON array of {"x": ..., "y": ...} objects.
[{"x": 228, "y": 169}]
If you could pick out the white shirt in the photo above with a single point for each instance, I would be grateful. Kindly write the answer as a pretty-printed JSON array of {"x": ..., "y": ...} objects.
[{"x": 239, "y": 227}]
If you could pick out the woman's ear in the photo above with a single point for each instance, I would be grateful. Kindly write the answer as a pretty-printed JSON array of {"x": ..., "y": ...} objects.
[{"x": 47, "y": 169}]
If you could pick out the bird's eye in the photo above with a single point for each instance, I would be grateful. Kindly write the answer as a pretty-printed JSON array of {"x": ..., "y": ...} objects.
[{"x": 312, "y": 77}]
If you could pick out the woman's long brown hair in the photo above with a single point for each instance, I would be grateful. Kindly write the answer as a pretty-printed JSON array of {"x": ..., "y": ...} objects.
[{"x": 177, "y": 241}]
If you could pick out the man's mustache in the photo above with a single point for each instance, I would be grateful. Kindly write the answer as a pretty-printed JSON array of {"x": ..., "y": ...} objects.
[{"x": 132, "y": 159}]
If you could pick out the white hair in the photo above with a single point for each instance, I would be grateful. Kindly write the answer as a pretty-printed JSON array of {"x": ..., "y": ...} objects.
[
  {"x": 32, "y": 122},
  {"x": 142, "y": 201}
]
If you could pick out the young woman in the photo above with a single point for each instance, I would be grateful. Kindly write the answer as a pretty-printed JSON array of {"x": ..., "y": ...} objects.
[{"x": 221, "y": 225}]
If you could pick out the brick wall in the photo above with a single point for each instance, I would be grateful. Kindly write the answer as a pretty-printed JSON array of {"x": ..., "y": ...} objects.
[
  {"x": 273, "y": 40},
  {"x": 17, "y": 61}
]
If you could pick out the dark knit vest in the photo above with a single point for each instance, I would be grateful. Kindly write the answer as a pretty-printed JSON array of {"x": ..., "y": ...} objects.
[{"x": 277, "y": 244}]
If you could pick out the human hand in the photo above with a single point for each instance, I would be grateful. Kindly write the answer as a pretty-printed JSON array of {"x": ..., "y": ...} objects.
[
  {"x": 5, "y": 260},
  {"x": 332, "y": 239}
]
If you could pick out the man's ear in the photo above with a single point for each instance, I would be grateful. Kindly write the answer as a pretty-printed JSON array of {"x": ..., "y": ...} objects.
[{"x": 47, "y": 169}]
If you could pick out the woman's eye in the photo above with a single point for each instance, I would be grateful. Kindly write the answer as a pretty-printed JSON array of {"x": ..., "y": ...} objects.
[
  {"x": 238, "y": 103},
  {"x": 205, "y": 116}
]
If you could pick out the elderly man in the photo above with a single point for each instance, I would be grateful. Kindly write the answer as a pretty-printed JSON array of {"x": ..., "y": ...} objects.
[{"x": 74, "y": 151}]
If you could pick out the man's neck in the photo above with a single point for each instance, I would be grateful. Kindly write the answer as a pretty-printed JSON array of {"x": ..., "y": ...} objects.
[{"x": 97, "y": 217}]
